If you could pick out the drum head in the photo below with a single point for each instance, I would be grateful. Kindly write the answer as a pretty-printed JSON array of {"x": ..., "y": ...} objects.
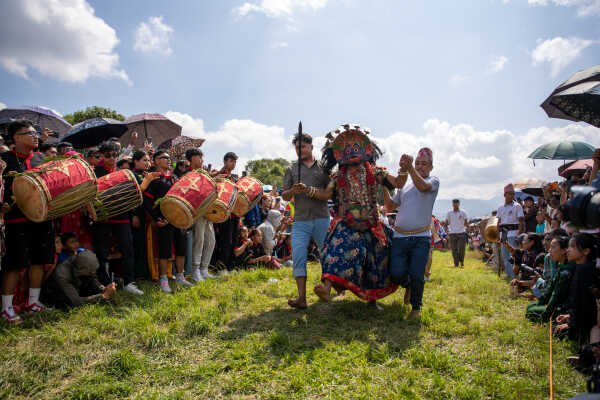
[
  {"x": 177, "y": 213},
  {"x": 30, "y": 198},
  {"x": 218, "y": 213},
  {"x": 241, "y": 205}
]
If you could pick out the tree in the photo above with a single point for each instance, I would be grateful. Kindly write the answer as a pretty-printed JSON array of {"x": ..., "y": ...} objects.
[
  {"x": 268, "y": 171},
  {"x": 92, "y": 112}
]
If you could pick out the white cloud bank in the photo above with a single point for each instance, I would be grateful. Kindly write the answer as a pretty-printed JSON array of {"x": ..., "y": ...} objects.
[
  {"x": 470, "y": 163},
  {"x": 153, "y": 36},
  {"x": 63, "y": 40},
  {"x": 558, "y": 52},
  {"x": 279, "y": 8},
  {"x": 497, "y": 64},
  {"x": 583, "y": 7},
  {"x": 2, "y": 106}
]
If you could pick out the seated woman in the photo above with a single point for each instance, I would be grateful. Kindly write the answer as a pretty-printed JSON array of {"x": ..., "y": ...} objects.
[
  {"x": 581, "y": 312},
  {"x": 74, "y": 283},
  {"x": 531, "y": 247},
  {"x": 553, "y": 299},
  {"x": 270, "y": 231},
  {"x": 251, "y": 252}
]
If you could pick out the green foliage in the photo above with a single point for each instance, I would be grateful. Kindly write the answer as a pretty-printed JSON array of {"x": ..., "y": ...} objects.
[
  {"x": 268, "y": 171},
  {"x": 92, "y": 112}
]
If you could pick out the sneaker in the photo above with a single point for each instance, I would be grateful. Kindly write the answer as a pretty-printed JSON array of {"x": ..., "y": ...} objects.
[
  {"x": 133, "y": 289},
  {"x": 206, "y": 274},
  {"x": 36, "y": 308},
  {"x": 164, "y": 286},
  {"x": 183, "y": 282},
  {"x": 197, "y": 275},
  {"x": 11, "y": 319}
]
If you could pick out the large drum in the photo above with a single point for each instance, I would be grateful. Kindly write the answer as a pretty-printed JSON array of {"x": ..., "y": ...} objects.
[
  {"x": 249, "y": 193},
  {"x": 490, "y": 232},
  {"x": 55, "y": 188},
  {"x": 188, "y": 199},
  {"x": 220, "y": 211},
  {"x": 118, "y": 192}
]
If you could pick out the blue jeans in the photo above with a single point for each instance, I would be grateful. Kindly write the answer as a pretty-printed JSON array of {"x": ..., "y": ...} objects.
[
  {"x": 408, "y": 258},
  {"x": 302, "y": 232},
  {"x": 506, "y": 256}
]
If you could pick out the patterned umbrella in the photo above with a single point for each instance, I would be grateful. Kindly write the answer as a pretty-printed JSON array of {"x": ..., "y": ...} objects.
[
  {"x": 563, "y": 151},
  {"x": 155, "y": 126},
  {"x": 92, "y": 132},
  {"x": 41, "y": 117},
  {"x": 178, "y": 146},
  {"x": 577, "y": 99}
]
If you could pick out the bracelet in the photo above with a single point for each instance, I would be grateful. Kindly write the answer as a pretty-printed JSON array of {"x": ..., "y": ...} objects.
[{"x": 400, "y": 173}]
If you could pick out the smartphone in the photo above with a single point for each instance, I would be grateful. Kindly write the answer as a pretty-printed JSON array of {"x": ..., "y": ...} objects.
[
  {"x": 149, "y": 140},
  {"x": 244, "y": 173}
]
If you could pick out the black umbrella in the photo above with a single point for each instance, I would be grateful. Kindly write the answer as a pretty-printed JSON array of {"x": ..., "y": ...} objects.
[
  {"x": 41, "y": 117},
  {"x": 92, "y": 132},
  {"x": 577, "y": 99}
]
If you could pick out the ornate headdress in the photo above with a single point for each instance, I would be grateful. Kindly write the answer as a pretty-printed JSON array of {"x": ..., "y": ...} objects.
[{"x": 349, "y": 144}]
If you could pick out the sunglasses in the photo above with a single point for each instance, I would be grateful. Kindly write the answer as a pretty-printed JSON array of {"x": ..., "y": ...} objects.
[
  {"x": 31, "y": 133},
  {"x": 110, "y": 155},
  {"x": 164, "y": 158}
]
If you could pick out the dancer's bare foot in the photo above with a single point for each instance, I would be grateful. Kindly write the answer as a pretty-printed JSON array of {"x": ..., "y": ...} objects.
[
  {"x": 322, "y": 292},
  {"x": 297, "y": 303},
  {"x": 407, "y": 297},
  {"x": 374, "y": 304}
]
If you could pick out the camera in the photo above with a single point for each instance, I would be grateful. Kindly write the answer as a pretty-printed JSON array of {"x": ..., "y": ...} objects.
[
  {"x": 583, "y": 210},
  {"x": 527, "y": 272}
]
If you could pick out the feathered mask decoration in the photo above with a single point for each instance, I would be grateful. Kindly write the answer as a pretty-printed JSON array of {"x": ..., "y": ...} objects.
[{"x": 349, "y": 144}]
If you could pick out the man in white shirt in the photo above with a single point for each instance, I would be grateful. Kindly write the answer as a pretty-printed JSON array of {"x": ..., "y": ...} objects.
[
  {"x": 456, "y": 220},
  {"x": 511, "y": 222}
]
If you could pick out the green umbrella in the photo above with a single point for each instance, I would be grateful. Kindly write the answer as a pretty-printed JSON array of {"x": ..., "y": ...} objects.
[{"x": 563, "y": 151}]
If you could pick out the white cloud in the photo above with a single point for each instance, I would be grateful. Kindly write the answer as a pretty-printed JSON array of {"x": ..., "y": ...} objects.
[
  {"x": 457, "y": 79},
  {"x": 280, "y": 45},
  {"x": 248, "y": 139},
  {"x": 584, "y": 7},
  {"x": 279, "y": 8},
  {"x": 2, "y": 106},
  {"x": 497, "y": 64},
  {"x": 60, "y": 39},
  {"x": 153, "y": 36},
  {"x": 558, "y": 52},
  {"x": 470, "y": 163}
]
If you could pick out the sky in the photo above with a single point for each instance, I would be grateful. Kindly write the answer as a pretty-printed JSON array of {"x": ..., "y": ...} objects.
[{"x": 464, "y": 78}]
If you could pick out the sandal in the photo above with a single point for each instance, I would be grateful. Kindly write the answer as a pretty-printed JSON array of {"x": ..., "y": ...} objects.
[{"x": 11, "y": 319}]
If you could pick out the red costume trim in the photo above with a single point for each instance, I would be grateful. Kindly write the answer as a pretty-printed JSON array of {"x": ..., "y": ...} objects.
[
  {"x": 364, "y": 294},
  {"x": 148, "y": 195},
  {"x": 15, "y": 220}
]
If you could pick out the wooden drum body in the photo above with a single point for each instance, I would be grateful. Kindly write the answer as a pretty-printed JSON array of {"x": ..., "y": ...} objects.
[
  {"x": 220, "y": 211},
  {"x": 54, "y": 189},
  {"x": 249, "y": 193},
  {"x": 189, "y": 199},
  {"x": 118, "y": 192}
]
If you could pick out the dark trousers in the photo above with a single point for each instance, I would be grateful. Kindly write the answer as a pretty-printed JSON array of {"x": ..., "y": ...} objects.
[
  {"x": 226, "y": 234},
  {"x": 122, "y": 233},
  {"x": 408, "y": 259},
  {"x": 458, "y": 243}
]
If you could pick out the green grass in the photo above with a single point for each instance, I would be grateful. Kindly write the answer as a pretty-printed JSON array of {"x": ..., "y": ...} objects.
[{"x": 236, "y": 338}]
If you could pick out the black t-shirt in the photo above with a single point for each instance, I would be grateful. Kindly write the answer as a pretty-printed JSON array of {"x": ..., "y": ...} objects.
[
  {"x": 17, "y": 162},
  {"x": 157, "y": 189}
]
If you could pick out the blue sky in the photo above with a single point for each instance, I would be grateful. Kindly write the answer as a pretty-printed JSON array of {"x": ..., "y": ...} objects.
[{"x": 242, "y": 74}]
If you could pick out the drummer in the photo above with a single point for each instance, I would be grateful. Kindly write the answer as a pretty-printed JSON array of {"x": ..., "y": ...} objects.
[
  {"x": 168, "y": 235},
  {"x": 204, "y": 233},
  {"x": 28, "y": 244},
  {"x": 117, "y": 227}
]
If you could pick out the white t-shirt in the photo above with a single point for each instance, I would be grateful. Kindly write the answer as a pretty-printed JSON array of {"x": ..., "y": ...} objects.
[
  {"x": 509, "y": 215},
  {"x": 456, "y": 221},
  {"x": 414, "y": 208}
]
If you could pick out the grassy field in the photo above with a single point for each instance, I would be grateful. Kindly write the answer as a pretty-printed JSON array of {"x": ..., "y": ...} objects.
[{"x": 236, "y": 338}]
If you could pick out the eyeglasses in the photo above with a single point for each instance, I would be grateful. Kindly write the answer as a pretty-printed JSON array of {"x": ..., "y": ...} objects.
[
  {"x": 509, "y": 192},
  {"x": 110, "y": 155},
  {"x": 164, "y": 158},
  {"x": 31, "y": 133}
]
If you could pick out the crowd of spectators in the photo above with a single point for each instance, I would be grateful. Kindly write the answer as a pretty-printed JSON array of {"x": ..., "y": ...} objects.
[{"x": 72, "y": 260}]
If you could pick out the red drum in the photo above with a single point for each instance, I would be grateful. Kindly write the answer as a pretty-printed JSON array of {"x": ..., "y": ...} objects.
[
  {"x": 188, "y": 199},
  {"x": 55, "y": 188},
  {"x": 118, "y": 192},
  {"x": 249, "y": 193},
  {"x": 220, "y": 211}
]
